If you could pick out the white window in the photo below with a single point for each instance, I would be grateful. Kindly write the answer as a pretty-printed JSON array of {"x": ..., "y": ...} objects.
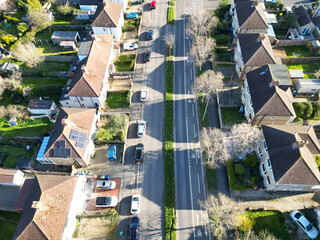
[
  {"x": 263, "y": 169},
  {"x": 265, "y": 145},
  {"x": 259, "y": 152},
  {"x": 246, "y": 109},
  {"x": 244, "y": 97},
  {"x": 250, "y": 102},
  {"x": 248, "y": 90},
  {"x": 269, "y": 163}
]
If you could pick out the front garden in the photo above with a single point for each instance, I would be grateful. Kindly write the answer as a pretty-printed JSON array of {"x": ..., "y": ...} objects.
[
  {"x": 125, "y": 63},
  {"x": 231, "y": 116},
  {"x": 8, "y": 224},
  {"x": 119, "y": 99}
]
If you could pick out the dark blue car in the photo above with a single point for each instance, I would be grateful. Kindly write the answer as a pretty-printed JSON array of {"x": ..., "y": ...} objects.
[
  {"x": 134, "y": 228},
  {"x": 150, "y": 35}
]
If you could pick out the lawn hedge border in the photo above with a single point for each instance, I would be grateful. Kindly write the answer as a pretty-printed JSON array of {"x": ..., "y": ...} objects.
[
  {"x": 232, "y": 177},
  {"x": 171, "y": 15}
]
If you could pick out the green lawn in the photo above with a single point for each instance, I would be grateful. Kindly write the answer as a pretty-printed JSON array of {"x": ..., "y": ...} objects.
[
  {"x": 25, "y": 127},
  {"x": 231, "y": 116},
  {"x": 44, "y": 34},
  {"x": 125, "y": 63},
  {"x": 119, "y": 99},
  {"x": 7, "y": 100},
  {"x": 7, "y": 228},
  {"x": 211, "y": 177},
  {"x": 13, "y": 155},
  {"x": 306, "y": 67},
  {"x": 33, "y": 82},
  {"x": 309, "y": 75},
  {"x": 202, "y": 106},
  {"x": 47, "y": 66},
  {"x": 61, "y": 22},
  {"x": 273, "y": 221},
  {"x": 302, "y": 50}
]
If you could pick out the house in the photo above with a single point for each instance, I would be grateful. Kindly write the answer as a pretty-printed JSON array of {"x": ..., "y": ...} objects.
[
  {"x": 11, "y": 176},
  {"x": 267, "y": 97},
  {"x": 71, "y": 140},
  {"x": 89, "y": 85},
  {"x": 108, "y": 20},
  {"x": 287, "y": 160},
  {"x": 253, "y": 50},
  {"x": 89, "y": 5},
  {"x": 9, "y": 67},
  {"x": 59, "y": 36},
  {"x": 50, "y": 207},
  {"x": 304, "y": 23},
  {"x": 42, "y": 107}
]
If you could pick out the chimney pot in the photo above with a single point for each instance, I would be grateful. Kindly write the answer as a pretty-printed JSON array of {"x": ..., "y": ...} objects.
[
  {"x": 298, "y": 144},
  {"x": 93, "y": 37},
  {"x": 261, "y": 36},
  {"x": 84, "y": 69}
]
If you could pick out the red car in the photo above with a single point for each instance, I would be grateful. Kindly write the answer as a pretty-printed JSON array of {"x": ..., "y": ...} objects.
[{"x": 153, "y": 5}]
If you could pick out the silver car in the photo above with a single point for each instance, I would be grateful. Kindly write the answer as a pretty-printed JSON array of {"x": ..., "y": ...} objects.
[
  {"x": 108, "y": 185},
  {"x": 304, "y": 224}
]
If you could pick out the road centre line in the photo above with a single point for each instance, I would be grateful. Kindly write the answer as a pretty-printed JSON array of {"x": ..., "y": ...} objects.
[{"x": 198, "y": 182}]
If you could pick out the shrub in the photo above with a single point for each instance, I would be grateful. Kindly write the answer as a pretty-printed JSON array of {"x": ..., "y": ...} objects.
[
  {"x": 239, "y": 169},
  {"x": 232, "y": 177},
  {"x": 245, "y": 223},
  {"x": 131, "y": 25},
  {"x": 299, "y": 109},
  {"x": 8, "y": 39},
  {"x": 50, "y": 89},
  {"x": 251, "y": 160},
  {"x": 172, "y": 3},
  {"x": 223, "y": 39},
  {"x": 308, "y": 111},
  {"x": 317, "y": 158},
  {"x": 220, "y": 49},
  {"x": 316, "y": 109},
  {"x": 171, "y": 14}
]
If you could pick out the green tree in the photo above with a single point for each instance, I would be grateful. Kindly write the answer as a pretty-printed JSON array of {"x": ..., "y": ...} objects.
[
  {"x": 251, "y": 160},
  {"x": 104, "y": 134},
  {"x": 8, "y": 39},
  {"x": 239, "y": 169},
  {"x": 22, "y": 28},
  {"x": 308, "y": 111},
  {"x": 316, "y": 109},
  {"x": 288, "y": 20},
  {"x": 299, "y": 109}
]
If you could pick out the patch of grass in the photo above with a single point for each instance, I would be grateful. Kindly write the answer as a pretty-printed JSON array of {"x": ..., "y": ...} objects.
[
  {"x": 13, "y": 154},
  {"x": 273, "y": 221},
  {"x": 44, "y": 34},
  {"x": 61, "y": 22},
  {"x": 231, "y": 116},
  {"x": 7, "y": 229},
  {"x": 49, "y": 89},
  {"x": 169, "y": 184},
  {"x": 211, "y": 177},
  {"x": 125, "y": 63},
  {"x": 131, "y": 25},
  {"x": 308, "y": 75},
  {"x": 202, "y": 106},
  {"x": 172, "y": 3},
  {"x": 232, "y": 177},
  {"x": 223, "y": 57},
  {"x": 225, "y": 39},
  {"x": 171, "y": 15},
  {"x": 33, "y": 82},
  {"x": 6, "y": 99},
  {"x": 306, "y": 67},
  {"x": 119, "y": 99},
  {"x": 303, "y": 50},
  {"x": 47, "y": 66},
  {"x": 25, "y": 128}
]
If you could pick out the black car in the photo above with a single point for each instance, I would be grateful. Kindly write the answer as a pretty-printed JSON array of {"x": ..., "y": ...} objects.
[
  {"x": 139, "y": 152},
  {"x": 134, "y": 228},
  {"x": 150, "y": 35},
  {"x": 146, "y": 57}
]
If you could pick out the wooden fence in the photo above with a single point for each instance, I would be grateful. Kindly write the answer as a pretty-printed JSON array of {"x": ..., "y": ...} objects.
[
  {"x": 300, "y": 60},
  {"x": 59, "y": 58}
]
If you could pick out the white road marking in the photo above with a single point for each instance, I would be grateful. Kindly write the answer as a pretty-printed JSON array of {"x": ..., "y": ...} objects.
[
  {"x": 198, "y": 182},
  {"x": 194, "y": 130},
  {"x": 193, "y": 111}
]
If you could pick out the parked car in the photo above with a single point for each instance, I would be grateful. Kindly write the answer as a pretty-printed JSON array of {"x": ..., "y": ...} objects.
[
  {"x": 150, "y": 35},
  {"x": 108, "y": 185},
  {"x": 144, "y": 95},
  {"x": 142, "y": 128},
  {"x": 140, "y": 10},
  {"x": 153, "y": 5},
  {"x": 135, "y": 228},
  {"x": 304, "y": 224},
  {"x": 135, "y": 204},
  {"x": 131, "y": 15},
  {"x": 139, "y": 152},
  {"x": 112, "y": 153},
  {"x": 130, "y": 46},
  {"x": 108, "y": 201},
  {"x": 146, "y": 56}
]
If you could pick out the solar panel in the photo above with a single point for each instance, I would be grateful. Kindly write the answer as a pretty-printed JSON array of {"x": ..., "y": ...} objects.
[
  {"x": 83, "y": 135},
  {"x": 81, "y": 140},
  {"x": 79, "y": 144},
  {"x": 62, "y": 144}
]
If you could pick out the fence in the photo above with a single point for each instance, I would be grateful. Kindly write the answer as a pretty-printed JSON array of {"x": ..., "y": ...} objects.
[
  {"x": 300, "y": 60},
  {"x": 59, "y": 58}
]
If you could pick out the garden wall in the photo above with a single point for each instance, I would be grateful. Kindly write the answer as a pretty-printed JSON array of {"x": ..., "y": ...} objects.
[
  {"x": 59, "y": 58},
  {"x": 300, "y": 60}
]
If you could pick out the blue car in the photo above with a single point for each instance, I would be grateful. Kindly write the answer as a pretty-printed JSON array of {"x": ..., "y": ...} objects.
[
  {"x": 131, "y": 15},
  {"x": 134, "y": 228},
  {"x": 112, "y": 153},
  {"x": 150, "y": 35}
]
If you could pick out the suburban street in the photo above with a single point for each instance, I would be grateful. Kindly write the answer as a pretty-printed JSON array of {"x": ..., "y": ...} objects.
[{"x": 192, "y": 219}]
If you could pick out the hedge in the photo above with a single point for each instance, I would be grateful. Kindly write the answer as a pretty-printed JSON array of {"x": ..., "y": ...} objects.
[
  {"x": 307, "y": 110},
  {"x": 232, "y": 177},
  {"x": 50, "y": 89},
  {"x": 171, "y": 14},
  {"x": 223, "y": 39}
]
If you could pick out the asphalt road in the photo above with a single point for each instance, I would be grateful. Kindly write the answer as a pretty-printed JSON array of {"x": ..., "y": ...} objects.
[
  {"x": 192, "y": 219},
  {"x": 146, "y": 178}
]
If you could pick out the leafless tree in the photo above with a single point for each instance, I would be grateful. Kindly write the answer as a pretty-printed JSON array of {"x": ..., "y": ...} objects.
[
  {"x": 3, "y": 111},
  {"x": 201, "y": 49},
  {"x": 169, "y": 38},
  {"x": 223, "y": 212},
  {"x": 244, "y": 139},
  {"x": 251, "y": 235},
  {"x": 212, "y": 140},
  {"x": 7, "y": 6},
  {"x": 317, "y": 74},
  {"x": 38, "y": 18},
  {"x": 24, "y": 52},
  {"x": 15, "y": 111},
  {"x": 26, "y": 91},
  {"x": 11, "y": 83},
  {"x": 201, "y": 22}
]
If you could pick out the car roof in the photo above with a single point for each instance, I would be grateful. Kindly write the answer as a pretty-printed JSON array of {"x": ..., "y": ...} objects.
[{"x": 140, "y": 145}]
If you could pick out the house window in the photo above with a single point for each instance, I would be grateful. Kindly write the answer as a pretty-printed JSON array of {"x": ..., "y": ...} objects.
[
  {"x": 244, "y": 97},
  {"x": 263, "y": 169},
  {"x": 269, "y": 163},
  {"x": 248, "y": 90},
  {"x": 306, "y": 31},
  {"x": 259, "y": 152},
  {"x": 250, "y": 102},
  {"x": 267, "y": 182},
  {"x": 265, "y": 145},
  {"x": 246, "y": 109}
]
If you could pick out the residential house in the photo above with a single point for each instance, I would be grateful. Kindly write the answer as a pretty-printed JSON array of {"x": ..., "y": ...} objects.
[
  {"x": 42, "y": 107},
  {"x": 50, "y": 207},
  {"x": 286, "y": 154},
  {"x": 59, "y": 36},
  {"x": 252, "y": 51},
  {"x": 234, "y": 3},
  {"x": 11, "y": 177},
  {"x": 89, "y": 85},
  {"x": 267, "y": 97},
  {"x": 89, "y": 5},
  {"x": 304, "y": 23},
  {"x": 71, "y": 140},
  {"x": 108, "y": 20}
]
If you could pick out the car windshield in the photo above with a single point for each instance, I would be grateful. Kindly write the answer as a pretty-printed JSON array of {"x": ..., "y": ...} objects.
[
  {"x": 108, "y": 184},
  {"x": 297, "y": 215},
  {"x": 135, "y": 199},
  {"x": 309, "y": 227},
  {"x": 108, "y": 200}
]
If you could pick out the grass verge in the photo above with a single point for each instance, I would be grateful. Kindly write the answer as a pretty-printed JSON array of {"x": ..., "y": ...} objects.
[
  {"x": 211, "y": 177},
  {"x": 7, "y": 228},
  {"x": 119, "y": 99},
  {"x": 171, "y": 15},
  {"x": 169, "y": 184},
  {"x": 205, "y": 122}
]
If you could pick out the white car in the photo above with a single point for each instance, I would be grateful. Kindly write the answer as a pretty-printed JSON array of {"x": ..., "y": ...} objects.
[
  {"x": 304, "y": 224},
  {"x": 142, "y": 128},
  {"x": 144, "y": 95},
  {"x": 108, "y": 185},
  {"x": 135, "y": 204},
  {"x": 108, "y": 201},
  {"x": 130, "y": 46}
]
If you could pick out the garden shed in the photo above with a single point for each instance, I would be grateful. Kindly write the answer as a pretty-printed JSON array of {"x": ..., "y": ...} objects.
[
  {"x": 59, "y": 36},
  {"x": 309, "y": 86},
  {"x": 42, "y": 107},
  {"x": 11, "y": 176},
  {"x": 296, "y": 74},
  {"x": 9, "y": 67}
]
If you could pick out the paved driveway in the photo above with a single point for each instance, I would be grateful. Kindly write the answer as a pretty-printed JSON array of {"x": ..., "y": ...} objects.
[{"x": 8, "y": 197}]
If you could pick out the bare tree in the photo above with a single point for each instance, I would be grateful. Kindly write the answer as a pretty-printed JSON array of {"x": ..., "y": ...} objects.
[
  {"x": 251, "y": 235},
  {"x": 15, "y": 111},
  {"x": 317, "y": 74},
  {"x": 201, "y": 49},
  {"x": 169, "y": 38},
  {"x": 24, "y": 52},
  {"x": 212, "y": 140},
  {"x": 244, "y": 139},
  {"x": 201, "y": 22},
  {"x": 223, "y": 212},
  {"x": 38, "y": 18},
  {"x": 26, "y": 91},
  {"x": 11, "y": 83}
]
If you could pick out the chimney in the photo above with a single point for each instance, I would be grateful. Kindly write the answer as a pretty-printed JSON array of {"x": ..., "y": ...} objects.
[
  {"x": 66, "y": 122},
  {"x": 35, "y": 204},
  {"x": 274, "y": 82},
  {"x": 105, "y": 3},
  {"x": 254, "y": 3},
  {"x": 261, "y": 37},
  {"x": 84, "y": 69},
  {"x": 93, "y": 37},
  {"x": 298, "y": 144}
]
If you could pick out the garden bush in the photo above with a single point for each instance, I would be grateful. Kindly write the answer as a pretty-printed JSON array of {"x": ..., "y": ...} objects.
[
  {"x": 223, "y": 39},
  {"x": 317, "y": 158},
  {"x": 251, "y": 160},
  {"x": 50, "y": 89},
  {"x": 220, "y": 49},
  {"x": 131, "y": 25},
  {"x": 239, "y": 169},
  {"x": 232, "y": 177},
  {"x": 306, "y": 110},
  {"x": 172, "y": 3},
  {"x": 171, "y": 14}
]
